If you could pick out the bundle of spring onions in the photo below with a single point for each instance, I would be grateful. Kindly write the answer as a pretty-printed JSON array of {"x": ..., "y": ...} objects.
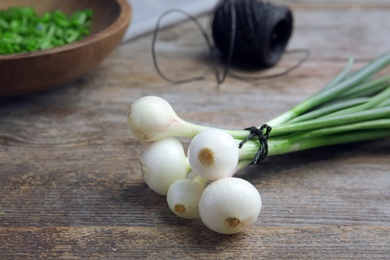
[
  {"x": 23, "y": 30},
  {"x": 354, "y": 106}
]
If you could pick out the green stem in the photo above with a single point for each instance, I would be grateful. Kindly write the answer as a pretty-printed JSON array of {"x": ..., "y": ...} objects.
[
  {"x": 186, "y": 129},
  {"x": 329, "y": 109},
  {"x": 283, "y": 146},
  {"x": 241, "y": 165},
  {"x": 331, "y": 93},
  {"x": 341, "y": 76},
  {"x": 366, "y": 125},
  {"x": 367, "y": 88},
  {"x": 339, "y": 139},
  {"x": 371, "y": 114},
  {"x": 199, "y": 179},
  {"x": 385, "y": 103},
  {"x": 371, "y": 103}
]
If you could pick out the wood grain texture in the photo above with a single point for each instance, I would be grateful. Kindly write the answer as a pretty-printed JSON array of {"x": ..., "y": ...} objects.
[{"x": 71, "y": 185}]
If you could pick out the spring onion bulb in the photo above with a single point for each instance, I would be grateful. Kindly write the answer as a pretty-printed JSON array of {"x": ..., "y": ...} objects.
[
  {"x": 184, "y": 195},
  {"x": 213, "y": 154},
  {"x": 152, "y": 118},
  {"x": 163, "y": 163},
  {"x": 229, "y": 205}
]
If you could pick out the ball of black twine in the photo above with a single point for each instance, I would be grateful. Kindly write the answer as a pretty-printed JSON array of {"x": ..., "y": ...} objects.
[
  {"x": 252, "y": 32},
  {"x": 249, "y": 34}
]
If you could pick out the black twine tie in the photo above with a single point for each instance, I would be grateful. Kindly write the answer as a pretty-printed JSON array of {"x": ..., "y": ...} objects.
[{"x": 263, "y": 139}]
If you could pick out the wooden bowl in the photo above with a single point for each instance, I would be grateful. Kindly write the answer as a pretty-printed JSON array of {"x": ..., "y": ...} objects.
[{"x": 31, "y": 72}]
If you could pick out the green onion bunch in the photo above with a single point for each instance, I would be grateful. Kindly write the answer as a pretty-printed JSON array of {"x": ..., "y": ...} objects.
[
  {"x": 354, "y": 106},
  {"x": 23, "y": 30}
]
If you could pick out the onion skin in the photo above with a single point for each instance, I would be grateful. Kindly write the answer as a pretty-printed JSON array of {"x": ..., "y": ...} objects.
[
  {"x": 229, "y": 205},
  {"x": 163, "y": 163},
  {"x": 152, "y": 118},
  {"x": 183, "y": 198},
  {"x": 213, "y": 154}
]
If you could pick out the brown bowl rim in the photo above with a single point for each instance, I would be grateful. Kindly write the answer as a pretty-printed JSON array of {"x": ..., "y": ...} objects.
[{"x": 122, "y": 20}]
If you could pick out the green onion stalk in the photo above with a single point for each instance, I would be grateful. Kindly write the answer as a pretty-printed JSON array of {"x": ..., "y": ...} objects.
[{"x": 354, "y": 106}]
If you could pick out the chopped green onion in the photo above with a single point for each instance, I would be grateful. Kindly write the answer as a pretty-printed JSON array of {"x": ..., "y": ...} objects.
[{"x": 23, "y": 30}]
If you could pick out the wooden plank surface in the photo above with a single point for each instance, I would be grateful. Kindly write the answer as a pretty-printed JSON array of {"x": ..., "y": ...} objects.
[{"x": 71, "y": 185}]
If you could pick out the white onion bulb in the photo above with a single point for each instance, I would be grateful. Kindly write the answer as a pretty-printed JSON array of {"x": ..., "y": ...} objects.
[
  {"x": 163, "y": 163},
  {"x": 183, "y": 197},
  {"x": 213, "y": 154},
  {"x": 229, "y": 205},
  {"x": 151, "y": 118}
]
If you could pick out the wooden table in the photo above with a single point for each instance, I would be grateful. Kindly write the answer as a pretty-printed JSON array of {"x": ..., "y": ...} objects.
[{"x": 71, "y": 185}]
